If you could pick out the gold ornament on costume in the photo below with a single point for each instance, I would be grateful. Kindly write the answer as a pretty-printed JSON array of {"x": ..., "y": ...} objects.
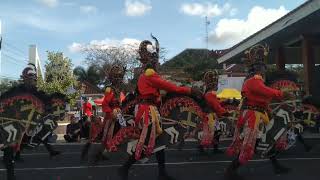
[
  {"x": 257, "y": 54},
  {"x": 211, "y": 78}
]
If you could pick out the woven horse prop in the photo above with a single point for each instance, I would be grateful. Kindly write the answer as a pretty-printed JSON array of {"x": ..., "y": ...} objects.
[
  {"x": 20, "y": 113},
  {"x": 55, "y": 112},
  {"x": 280, "y": 134},
  {"x": 181, "y": 118}
]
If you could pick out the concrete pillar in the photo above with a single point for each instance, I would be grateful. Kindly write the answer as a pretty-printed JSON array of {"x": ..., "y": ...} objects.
[
  {"x": 280, "y": 59},
  {"x": 34, "y": 59},
  {"x": 308, "y": 65}
]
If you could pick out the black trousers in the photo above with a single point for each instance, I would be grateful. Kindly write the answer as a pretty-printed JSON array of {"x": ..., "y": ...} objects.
[
  {"x": 69, "y": 138},
  {"x": 160, "y": 156},
  {"x": 8, "y": 154}
]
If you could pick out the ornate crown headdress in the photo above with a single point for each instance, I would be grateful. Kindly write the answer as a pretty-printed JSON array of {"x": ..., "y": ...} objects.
[
  {"x": 210, "y": 78},
  {"x": 30, "y": 72},
  {"x": 257, "y": 54},
  {"x": 148, "y": 52}
]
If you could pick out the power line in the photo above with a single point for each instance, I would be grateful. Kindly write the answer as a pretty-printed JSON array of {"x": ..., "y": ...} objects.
[
  {"x": 14, "y": 54},
  {"x": 6, "y": 47},
  {"x": 19, "y": 60},
  {"x": 13, "y": 46},
  {"x": 10, "y": 61},
  {"x": 13, "y": 60}
]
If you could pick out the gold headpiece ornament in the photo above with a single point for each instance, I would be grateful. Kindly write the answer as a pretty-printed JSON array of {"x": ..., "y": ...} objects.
[
  {"x": 210, "y": 78},
  {"x": 257, "y": 54}
]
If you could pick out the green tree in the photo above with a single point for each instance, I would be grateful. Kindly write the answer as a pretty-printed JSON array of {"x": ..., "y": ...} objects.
[
  {"x": 104, "y": 58},
  {"x": 6, "y": 84},
  {"x": 93, "y": 74},
  {"x": 58, "y": 77},
  {"x": 194, "y": 62}
]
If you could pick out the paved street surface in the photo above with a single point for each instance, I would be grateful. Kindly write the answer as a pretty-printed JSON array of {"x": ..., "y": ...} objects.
[{"x": 187, "y": 164}]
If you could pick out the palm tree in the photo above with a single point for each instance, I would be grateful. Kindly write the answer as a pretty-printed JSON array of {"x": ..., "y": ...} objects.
[{"x": 93, "y": 74}]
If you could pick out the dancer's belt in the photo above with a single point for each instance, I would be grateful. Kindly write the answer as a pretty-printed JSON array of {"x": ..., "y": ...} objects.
[
  {"x": 254, "y": 108},
  {"x": 114, "y": 104},
  {"x": 150, "y": 101}
]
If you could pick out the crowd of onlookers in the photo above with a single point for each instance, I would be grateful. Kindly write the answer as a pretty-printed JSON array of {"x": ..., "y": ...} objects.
[{"x": 80, "y": 127}]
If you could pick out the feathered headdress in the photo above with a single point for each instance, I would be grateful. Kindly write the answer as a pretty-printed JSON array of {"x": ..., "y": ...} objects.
[
  {"x": 148, "y": 52},
  {"x": 115, "y": 75},
  {"x": 256, "y": 57},
  {"x": 257, "y": 54},
  {"x": 210, "y": 78},
  {"x": 29, "y": 73}
]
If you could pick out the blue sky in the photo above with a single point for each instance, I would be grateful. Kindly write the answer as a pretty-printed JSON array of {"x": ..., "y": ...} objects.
[{"x": 69, "y": 25}]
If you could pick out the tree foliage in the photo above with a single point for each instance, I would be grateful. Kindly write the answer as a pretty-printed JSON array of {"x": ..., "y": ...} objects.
[
  {"x": 58, "y": 77},
  {"x": 104, "y": 58},
  {"x": 6, "y": 84},
  {"x": 194, "y": 62},
  {"x": 93, "y": 74}
]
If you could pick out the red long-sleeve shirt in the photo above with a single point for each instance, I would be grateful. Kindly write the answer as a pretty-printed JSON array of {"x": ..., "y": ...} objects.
[
  {"x": 213, "y": 102},
  {"x": 150, "y": 84},
  {"x": 87, "y": 109},
  {"x": 257, "y": 93},
  {"x": 109, "y": 98}
]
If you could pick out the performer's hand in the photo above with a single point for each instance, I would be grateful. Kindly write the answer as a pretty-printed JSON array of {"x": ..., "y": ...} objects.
[{"x": 196, "y": 92}]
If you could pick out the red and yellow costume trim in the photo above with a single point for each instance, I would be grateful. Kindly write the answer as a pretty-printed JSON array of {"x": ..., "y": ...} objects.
[
  {"x": 254, "y": 112},
  {"x": 208, "y": 126},
  {"x": 147, "y": 118},
  {"x": 111, "y": 108}
]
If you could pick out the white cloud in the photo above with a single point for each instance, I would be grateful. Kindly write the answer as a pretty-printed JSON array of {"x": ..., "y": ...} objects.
[
  {"x": 49, "y": 23},
  {"x": 49, "y": 3},
  {"x": 88, "y": 9},
  {"x": 76, "y": 47},
  {"x": 136, "y": 8},
  {"x": 231, "y": 31},
  {"x": 206, "y": 9}
]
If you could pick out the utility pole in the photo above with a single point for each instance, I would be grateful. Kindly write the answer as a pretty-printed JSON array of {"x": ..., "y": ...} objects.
[{"x": 207, "y": 22}]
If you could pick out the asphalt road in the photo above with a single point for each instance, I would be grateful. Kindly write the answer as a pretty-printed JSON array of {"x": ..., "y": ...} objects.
[{"x": 187, "y": 164}]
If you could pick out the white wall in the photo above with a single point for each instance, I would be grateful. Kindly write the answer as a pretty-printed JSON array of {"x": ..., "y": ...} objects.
[{"x": 230, "y": 82}]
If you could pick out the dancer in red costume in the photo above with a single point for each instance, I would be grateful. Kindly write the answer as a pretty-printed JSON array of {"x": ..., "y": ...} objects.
[
  {"x": 113, "y": 118},
  {"x": 213, "y": 109},
  {"x": 253, "y": 112},
  {"x": 147, "y": 130}
]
